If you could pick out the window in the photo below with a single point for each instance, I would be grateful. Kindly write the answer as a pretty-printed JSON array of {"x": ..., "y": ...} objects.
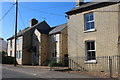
[
  {"x": 54, "y": 54},
  {"x": 55, "y": 38},
  {"x": 90, "y": 50},
  {"x": 19, "y": 54},
  {"x": 89, "y": 21},
  {"x": 10, "y": 43},
  {"x": 10, "y": 53},
  {"x": 17, "y": 41}
]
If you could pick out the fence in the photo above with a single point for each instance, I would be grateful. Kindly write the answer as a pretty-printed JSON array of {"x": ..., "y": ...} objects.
[{"x": 103, "y": 65}]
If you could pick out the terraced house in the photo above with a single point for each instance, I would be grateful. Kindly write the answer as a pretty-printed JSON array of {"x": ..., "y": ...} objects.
[{"x": 94, "y": 36}]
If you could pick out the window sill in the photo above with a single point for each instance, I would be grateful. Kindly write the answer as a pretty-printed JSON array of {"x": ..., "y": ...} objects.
[
  {"x": 91, "y": 30},
  {"x": 90, "y": 62}
]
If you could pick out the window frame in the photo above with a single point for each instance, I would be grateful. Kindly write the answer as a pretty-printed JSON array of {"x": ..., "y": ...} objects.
[
  {"x": 19, "y": 54},
  {"x": 10, "y": 52},
  {"x": 85, "y": 22},
  {"x": 11, "y": 43},
  {"x": 17, "y": 41},
  {"x": 54, "y": 54},
  {"x": 86, "y": 52}
]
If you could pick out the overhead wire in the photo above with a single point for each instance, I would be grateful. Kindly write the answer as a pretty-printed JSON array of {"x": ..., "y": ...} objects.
[
  {"x": 21, "y": 18},
  {"x": 7, "y": 12},
  {"x": 42, "y": 11}
]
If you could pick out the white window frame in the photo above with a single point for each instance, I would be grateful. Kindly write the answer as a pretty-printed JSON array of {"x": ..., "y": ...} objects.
[
  {"x": 86, "y": 52},
  {"x": 19, "y": 54},
  {"x": 17, "y": 41},
  {"x": 10, "y": 52},
  {"x": 11, "y": 43},
  {"x": 85, "y": 22}
]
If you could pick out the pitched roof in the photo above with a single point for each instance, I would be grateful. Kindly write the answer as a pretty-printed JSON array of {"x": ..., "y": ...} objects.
[
  {"x": 20, "y": 33},
  {"x": 58, "y": 28},
  {"x": 89, "y": 6}
]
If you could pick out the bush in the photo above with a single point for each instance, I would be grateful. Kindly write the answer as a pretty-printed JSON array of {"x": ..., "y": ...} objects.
[
  {"x": 54, "y": 64},
  {"x": 6, "y": 59}
]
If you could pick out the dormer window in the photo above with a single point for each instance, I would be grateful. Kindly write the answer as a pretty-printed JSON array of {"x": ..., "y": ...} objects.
[{"x": 89, "y": 21}]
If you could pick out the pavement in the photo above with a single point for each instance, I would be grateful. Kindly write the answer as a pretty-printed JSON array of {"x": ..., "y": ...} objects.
[{"x": 40, "y": 72}]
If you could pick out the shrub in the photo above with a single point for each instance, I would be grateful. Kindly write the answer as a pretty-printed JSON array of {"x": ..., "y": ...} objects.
[
  {"x": 6, "y": 59},
  {"x": 54, "y": 64}
]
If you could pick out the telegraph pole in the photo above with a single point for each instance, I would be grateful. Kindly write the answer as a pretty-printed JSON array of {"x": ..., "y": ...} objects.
[{"x": 15, "y": 33}]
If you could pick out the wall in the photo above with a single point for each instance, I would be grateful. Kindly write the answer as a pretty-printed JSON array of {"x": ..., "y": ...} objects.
[
  {"x": 27, "y": 43},
  {"x": 105, "y": 36},
  {"x": 44, "y": 50},
  {"x": 18, "y": 47},
  {"x": 37, "y": 43}
]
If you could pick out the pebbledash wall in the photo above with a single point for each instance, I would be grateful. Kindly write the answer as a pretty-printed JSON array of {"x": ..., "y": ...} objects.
[{"x": 106, "y": 36}]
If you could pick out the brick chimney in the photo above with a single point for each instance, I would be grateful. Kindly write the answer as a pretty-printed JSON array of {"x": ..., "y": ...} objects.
[
  {"x": 79, "y": 3},
  {"x": 33, "y": 22}
]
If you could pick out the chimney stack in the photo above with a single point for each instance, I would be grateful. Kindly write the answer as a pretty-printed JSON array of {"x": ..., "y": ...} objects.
[
  {"x": 33, "y": 22},
  {"x": 1, "y": 39},
  {"x": 79, "y": 3}
]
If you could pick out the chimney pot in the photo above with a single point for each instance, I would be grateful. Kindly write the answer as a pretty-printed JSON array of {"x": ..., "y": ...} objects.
[{"x": 79, "y": 3}]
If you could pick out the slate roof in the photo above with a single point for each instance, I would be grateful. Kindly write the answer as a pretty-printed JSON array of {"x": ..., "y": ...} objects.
[
  {"x": 20, "y": 33},
  {"x": 58, "y": 28},
  {"x": 89, "y": 6}
]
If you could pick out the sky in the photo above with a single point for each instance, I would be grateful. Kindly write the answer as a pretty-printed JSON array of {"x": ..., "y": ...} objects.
[{"x": 52, "y": 12}]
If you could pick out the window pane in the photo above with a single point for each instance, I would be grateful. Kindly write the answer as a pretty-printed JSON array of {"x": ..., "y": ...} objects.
[
  {"x": 92, "y": 46},
  {"x": 88, "y": 45},
  {"x": 87, "y": 26},
  {"x": 91, "y": 17},
  {"x": 86, "y": 17},
  {"x": 88, "y": 55},
  {"x": 16, "y": 54},
  {"x": 92, "y": 25},
  {"x": 93, "y": 55}
]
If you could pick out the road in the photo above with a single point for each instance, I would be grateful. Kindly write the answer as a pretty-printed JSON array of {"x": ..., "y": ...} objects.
[
  {"x": 34, "y": 73},
  {"x": 6, "y": 73}
]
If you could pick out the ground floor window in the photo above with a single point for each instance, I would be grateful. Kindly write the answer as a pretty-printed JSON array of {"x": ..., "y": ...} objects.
[
  {"x": 54, "y": 54},
  {"x": 90, "y": 50},
  {"x": 10, "y": 53},
  {"x": 19, "y": 54}
]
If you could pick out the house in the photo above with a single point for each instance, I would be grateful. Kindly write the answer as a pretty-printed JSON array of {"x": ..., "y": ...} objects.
[
  {"x": 94, "y": 35},
  {"x": 58, "y": 43},
  {"x": 29, "y": 44},
  {"x": 3, "y": 45}
]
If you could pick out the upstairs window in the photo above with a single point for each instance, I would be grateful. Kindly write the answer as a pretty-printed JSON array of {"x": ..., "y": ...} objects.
[
  {"x": 10, "y": 43},
  {"x": 90, "y": 50},
  {"x": 89, "y": 21},
  {"x": 17, "y": 41}
]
